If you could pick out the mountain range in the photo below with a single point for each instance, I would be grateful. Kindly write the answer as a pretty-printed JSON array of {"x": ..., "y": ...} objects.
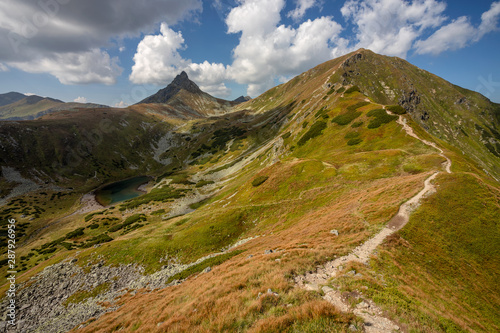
[
  {"x": 361, "y": 195},
  {"x": 16, "y": 106}
]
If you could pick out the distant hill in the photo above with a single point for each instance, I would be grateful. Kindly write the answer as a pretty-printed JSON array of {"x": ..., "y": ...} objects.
[
  {"x": 16, "y": 106},
  {"x": 10, "y": 97},
  {"x": 242, "y": 99},
  {"x": 183, "y": 98}
]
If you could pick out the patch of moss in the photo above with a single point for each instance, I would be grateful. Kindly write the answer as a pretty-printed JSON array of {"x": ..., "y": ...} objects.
[{"x": 82, "y": 295}]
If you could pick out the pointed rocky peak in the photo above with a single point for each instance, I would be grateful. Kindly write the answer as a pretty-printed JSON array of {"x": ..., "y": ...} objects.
[
  {"x": 181, "y": 82},
  {"x": 242, "y": 99}
]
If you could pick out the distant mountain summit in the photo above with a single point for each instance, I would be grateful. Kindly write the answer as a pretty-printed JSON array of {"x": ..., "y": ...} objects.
[
  {"x": 181, "y": 82},
  {"x": 242, "y": 99},
  {"x": 10, "y": 97},
  {"x": 182, "y": 98}
]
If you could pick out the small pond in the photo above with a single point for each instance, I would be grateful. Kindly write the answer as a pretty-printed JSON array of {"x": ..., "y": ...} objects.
[{"x": 121, "y": 190}]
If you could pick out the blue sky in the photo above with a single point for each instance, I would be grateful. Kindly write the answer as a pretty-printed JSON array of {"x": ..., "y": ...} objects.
[{"x": 117, "y": 52}]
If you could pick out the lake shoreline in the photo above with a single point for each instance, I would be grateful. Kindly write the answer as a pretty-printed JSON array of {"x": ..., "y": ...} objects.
[{"x": 122, "y": 190}]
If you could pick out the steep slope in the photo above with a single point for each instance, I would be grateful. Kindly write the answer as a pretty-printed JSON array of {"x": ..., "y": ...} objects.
[
  {"x": 458, "y": 116},
  {"x": 248, "y": 202},
  {"x": 184, "y": 98}
]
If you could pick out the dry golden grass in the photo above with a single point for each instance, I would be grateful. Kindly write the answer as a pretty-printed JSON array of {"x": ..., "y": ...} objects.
[{"x": 226, "y": 299}]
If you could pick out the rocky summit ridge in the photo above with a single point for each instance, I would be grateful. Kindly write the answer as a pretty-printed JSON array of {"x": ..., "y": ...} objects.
[{"x": 181, "y": 81}]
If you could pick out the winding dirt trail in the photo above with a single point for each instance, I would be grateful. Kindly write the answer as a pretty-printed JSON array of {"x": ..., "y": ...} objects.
[{"x": 372, "y": 315}]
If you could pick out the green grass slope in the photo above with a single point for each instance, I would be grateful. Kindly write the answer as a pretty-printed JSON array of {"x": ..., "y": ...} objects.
[{"x": 281, "y": 171}]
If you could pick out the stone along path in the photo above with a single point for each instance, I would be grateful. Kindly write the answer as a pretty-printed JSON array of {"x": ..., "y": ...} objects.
[{"x": 372, "y": 315}]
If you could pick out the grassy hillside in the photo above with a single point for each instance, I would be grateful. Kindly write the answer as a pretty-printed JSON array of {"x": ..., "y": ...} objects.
[
  {"x": 460, "y": 117},
  {"x": 299, "y": 176},
  {"x": 25, "y": 107}
]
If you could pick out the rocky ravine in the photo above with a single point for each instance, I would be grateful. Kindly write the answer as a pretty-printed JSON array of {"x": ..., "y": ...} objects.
[{"x": 374, "y": 321}]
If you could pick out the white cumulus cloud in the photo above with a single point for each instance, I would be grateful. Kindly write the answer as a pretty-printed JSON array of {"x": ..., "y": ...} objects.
[
  {"x": 158, "y": 61},
  {"x": 268, "y": 50},
  {"x": 459, "y": 33},
  {"x": 94, "y": 66},
  {"x": 302, "y": 7},
  {"x": 210, "y": 76},
  {"x": 392, "y": 26},
  {"x": 36, "y": 35},
  {"x": 120, "y": 104},
  {"x": 80, "y": 99}
]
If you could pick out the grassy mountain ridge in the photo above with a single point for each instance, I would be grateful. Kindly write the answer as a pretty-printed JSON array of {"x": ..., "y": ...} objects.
[
  {"x": 277, "y": 176},
  {"x": 15, "y": 106},
  {"x": 460, "y": 117},
  {"x": 10, "y": 97}
]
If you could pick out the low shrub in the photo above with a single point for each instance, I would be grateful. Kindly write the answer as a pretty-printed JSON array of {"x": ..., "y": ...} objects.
[
  {"x": 158, "y": 212},
  {"x": 346, "y": 118},
  {"x": 202, "y": 183},
  {"x": 355, "y": 141},
  {"x": 198, "y": 204},
  {"x": 214, "y": 261},
  {"x": 315, "y": 130},
  {"x": 397, "y": 109},
  {"x": 358, "y": 105},
  {"x": 352, "y": 89},
  {"x": 259, "y": 180},
  {"x": 75, "y": 233},
  {"x": 102, "y": 238},
  {"x": 380, "y": 117}
]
